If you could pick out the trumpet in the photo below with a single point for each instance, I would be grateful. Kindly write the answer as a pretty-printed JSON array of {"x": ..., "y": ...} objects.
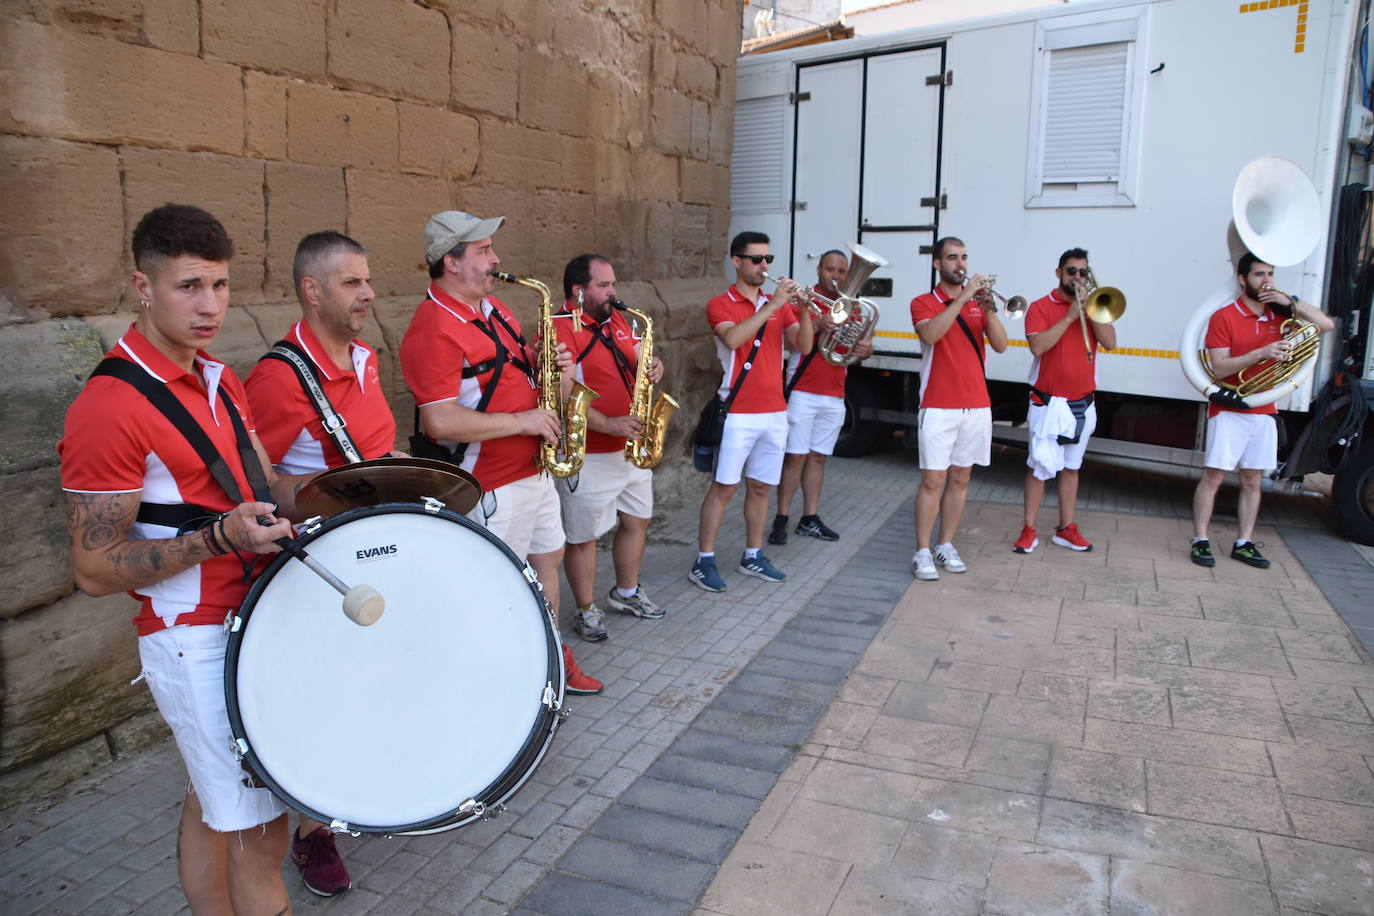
[
  {"x": 837, "y": 310},
  {"x": 987, "y": 297}
]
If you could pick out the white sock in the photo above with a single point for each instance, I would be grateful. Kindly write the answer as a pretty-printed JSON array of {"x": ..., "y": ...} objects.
[
  {"x": 751, "y": 552},
  {"x": 1195, "y": 540},
  {"x": 627, "y": 593},
  {"x": 944, "y": 545},
  {"x": 706, "y": 556},
  {"x": 1242, "y": 543}
]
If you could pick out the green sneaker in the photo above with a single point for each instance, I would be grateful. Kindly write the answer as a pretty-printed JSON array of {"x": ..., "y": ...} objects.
[
  {"x": 1202, "y": 553},
  {"x": 1248, "y": 553}
]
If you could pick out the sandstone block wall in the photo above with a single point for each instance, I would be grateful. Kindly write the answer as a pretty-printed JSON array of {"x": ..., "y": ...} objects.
[{"x": 589, "y": 125}]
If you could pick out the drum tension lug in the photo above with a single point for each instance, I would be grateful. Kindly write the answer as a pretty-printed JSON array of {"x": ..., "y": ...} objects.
[
  {"x": 311, "y": 525},
  {"x": 240, "y": 748},
  {"x": 432, "y": 504},
  {"x": 337, "y": 826},
  {"x": 532, "y": 577},
  {"x": 550, "y": 698}
]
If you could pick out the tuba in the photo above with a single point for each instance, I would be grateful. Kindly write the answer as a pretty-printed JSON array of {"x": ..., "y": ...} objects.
[
  {"x": 646, "y": 449},
  {"x": 852, "y": 320},
  {"x": 572, "y": 413},
  {"x": 1278, "y": 217}
]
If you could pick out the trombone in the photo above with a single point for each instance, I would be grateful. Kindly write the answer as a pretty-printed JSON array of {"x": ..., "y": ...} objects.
[
  {"x": 1014, "y": 308},
  {"x": 1098, "y": 304}
]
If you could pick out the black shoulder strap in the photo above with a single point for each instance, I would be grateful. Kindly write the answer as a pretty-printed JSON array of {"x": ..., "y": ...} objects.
[
  {"x": 968, "y": 332},
  {"x": 335, "y": 424},
  {"x": 801, "y": 370},
  {"x": 748, "y": 364},
  {"x": 495, "y": 365},
  {"x": 168, "y": 405}
]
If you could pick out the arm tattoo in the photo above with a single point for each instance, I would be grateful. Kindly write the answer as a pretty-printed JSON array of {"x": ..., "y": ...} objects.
[{"x": 99, "y": 525}]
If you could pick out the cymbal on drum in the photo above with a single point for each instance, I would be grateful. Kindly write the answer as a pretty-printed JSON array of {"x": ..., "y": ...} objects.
[{"x": 388, "y": 480}]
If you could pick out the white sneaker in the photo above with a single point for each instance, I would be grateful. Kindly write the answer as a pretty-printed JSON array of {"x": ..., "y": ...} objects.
[
  {"x": 948, "y": 557},
  {"x": 923, "y": 565}
]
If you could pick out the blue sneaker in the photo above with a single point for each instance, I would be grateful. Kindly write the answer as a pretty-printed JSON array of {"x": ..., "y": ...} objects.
[
  {"x": 760, "y": 568},
  {"x": 704, "y": 575}
]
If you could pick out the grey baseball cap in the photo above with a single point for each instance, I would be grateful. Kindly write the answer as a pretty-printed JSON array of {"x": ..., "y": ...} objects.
[{"x": 446, "y": 230}]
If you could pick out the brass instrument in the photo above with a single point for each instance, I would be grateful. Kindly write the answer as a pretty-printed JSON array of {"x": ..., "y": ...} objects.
[
  {"x": 1098, "y": 304},
  {"x": 849, "y": 320},
  {"x": 1014, "y": 308},
  {"x": 1303, "y": 339},
  {"x": 646, "y": 449},
  {"x": 572, "y": 413}
]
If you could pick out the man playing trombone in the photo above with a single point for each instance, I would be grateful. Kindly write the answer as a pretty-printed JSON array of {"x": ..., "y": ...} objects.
[
  {"x": 955, "y": 419},
  {"x": 1241, "y": 335},
  {"x": 1062, "y": 415}
]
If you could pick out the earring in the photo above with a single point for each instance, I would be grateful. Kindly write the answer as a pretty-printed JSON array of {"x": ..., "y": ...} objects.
[
  {"x": 145, "y": 303},
  {"x": 579, "y": 298}
]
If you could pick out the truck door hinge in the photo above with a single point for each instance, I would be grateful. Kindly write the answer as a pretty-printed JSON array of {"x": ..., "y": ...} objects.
[
  {"x": 798, "y": 205},
  {"x": 942, "y": 201},
  {"x": 941, "y": 79},
  {"x": 795, "y": 97}
]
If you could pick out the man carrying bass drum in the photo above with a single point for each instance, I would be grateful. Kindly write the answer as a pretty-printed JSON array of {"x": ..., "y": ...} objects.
[{"x": 1241, "y": 335}]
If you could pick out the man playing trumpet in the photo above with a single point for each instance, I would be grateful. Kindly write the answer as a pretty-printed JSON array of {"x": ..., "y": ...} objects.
[
  {"x": 955, "y": 418},
  {"x": 1241, "y": 335},
  {"x": 1062, "y": 415}
]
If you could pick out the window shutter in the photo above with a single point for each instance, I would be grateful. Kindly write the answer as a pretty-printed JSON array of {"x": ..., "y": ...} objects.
[
  {"x": 1085, "y": 110},
  {"x": 756, "y": 165}
]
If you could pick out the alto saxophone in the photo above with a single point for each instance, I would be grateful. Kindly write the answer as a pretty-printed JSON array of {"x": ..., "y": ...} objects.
[
  {"x": 646, "y": 449},
  {"x": 572, "y": 413}
]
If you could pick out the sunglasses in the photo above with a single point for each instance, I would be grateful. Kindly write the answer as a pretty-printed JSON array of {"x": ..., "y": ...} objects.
[
  {"x": 1075, "y": 271},
  {"x": 758, "y": 258}
]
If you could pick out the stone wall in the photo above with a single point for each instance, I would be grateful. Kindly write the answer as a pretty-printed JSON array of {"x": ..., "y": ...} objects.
[{"x": 591, "y": 126}]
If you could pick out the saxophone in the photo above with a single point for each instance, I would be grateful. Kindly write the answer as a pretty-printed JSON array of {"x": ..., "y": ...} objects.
[
  {"x": 646, "y": 449},
  {"x": 572, "y": 413}
]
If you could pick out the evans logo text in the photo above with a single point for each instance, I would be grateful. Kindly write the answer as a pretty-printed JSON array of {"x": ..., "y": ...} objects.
[{"x": 376, "y": 553}]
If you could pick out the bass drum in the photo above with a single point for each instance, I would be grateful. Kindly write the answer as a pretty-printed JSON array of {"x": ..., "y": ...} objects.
[{"x": 424, "y": 720}]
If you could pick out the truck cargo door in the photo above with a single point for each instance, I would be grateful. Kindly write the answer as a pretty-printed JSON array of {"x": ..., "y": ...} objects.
[{"x": 825, "y": 200}]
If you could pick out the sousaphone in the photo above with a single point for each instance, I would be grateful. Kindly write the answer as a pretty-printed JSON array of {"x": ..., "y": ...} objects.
[{"x": 1278, "y": 217}]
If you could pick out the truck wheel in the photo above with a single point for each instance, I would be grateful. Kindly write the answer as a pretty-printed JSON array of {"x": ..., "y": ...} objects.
[
  {"x": 857, "y": 437},
  {"x": 1353, "y": 493}
]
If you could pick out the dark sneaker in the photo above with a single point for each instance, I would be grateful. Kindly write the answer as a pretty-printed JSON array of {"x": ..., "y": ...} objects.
[
  {"x": 759, "y": 567},
  {"x": 704, "y": 575},
  {"x": 779, "y": 533},
  {"x": 1249, "y": 554},
  {"x": 637, "y": 604},
  {"x": 813, "y": 527},
  {"x": 1202, "y": 553},
  {"x": 588, "y": 625},
  {"x": 574, "y": 681},
  {"x": 321, "y": 868}
]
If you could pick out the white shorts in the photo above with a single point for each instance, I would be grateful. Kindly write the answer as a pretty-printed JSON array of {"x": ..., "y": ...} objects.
[
  {"x": 752, "y": 444},
  {"x": 607, "y": 484},
  {"x": 1072, "y": 454},
  {"x": 184, "y": 668},
  {"x": 1242, "y": 440},
  {"x": 524, "y": 514},
  {"x": 954, "y": 437},
  {"x": 813, "y": 422}
]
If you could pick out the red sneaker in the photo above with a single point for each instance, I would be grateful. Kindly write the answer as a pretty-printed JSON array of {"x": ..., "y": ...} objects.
[
  {"x": 321, "y": 868},
  {"x": 1027, "y": 542},
  {"x": 1070, "y": 538},
  {"x": 574, "y": 680}
]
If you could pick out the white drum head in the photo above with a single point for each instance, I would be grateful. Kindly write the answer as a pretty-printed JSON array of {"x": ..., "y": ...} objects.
[{"x": 397, "y": 724}]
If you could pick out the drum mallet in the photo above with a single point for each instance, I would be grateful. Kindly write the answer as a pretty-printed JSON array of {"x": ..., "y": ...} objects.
[{"x": 362, "y": 604}]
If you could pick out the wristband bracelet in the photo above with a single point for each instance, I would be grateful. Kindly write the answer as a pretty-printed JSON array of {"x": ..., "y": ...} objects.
[
  {"x": 207, "y": 535},
  {"x": 222, "y": 539}
]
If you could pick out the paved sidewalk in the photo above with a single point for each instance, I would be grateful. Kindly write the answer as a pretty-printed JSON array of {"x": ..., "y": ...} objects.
[{"x": 708, "y": 714}]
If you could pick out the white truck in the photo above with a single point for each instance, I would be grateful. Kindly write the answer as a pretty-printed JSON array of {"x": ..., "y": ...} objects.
[{"x": 1119, "y": 126}]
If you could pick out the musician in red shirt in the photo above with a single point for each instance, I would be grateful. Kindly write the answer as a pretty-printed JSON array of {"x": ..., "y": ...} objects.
[
  {"x": 1062, "y": 415},
  {"x": 1241, "y": 335},
  {"x": 955, "y": 417}
]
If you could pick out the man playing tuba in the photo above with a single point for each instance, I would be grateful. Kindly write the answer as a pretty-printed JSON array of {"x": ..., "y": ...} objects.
[
  {"x": 607, "y": 351},
  {"x": 1241, "y": 335}
]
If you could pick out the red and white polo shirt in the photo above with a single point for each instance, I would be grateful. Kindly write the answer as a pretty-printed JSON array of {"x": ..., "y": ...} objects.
[
  {"x": 446, "y": 335},
  {"x": 820, "y": 376},
  {"x": 290, "y": 427},
  {"x": 1064, "y": 370},
  {"x": 115, "y": 441},
  {"x": 1236, "y": 327},
  {"x": 951, "y": 371},
  {"x": 598, "y": 368},
  {"x": 762, "y": 388}
]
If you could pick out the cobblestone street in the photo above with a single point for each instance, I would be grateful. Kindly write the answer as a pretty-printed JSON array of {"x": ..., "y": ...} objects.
[{"x": 1054, "y": 733}]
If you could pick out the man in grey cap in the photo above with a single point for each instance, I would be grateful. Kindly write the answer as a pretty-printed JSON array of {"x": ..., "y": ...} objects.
[{"x": 475, "y": 383}]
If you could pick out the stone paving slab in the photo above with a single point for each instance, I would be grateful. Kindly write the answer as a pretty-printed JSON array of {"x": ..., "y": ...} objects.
[{"x": 106, "y": 844}]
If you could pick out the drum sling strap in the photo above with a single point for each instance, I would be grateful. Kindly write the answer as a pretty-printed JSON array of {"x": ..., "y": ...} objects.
[
  {"x": 184, "y": 516},
  {"x": 335, "y": 425},
  {"x": 422, "y": 447}
]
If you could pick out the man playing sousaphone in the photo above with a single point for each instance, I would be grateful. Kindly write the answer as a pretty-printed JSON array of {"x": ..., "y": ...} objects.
[
  {"x": 476, "y": 388},
  {"x": 1240, "y": 336}
]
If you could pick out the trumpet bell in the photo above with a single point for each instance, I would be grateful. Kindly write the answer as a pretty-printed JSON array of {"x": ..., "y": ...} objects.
[
  {"x": 1015, "y": 308},
  {"x": 1105, "y": 305},
  {"x": 1276, "y": 211}
]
